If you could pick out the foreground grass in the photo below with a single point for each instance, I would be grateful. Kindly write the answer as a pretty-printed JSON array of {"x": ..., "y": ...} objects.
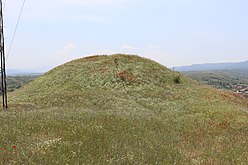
[{"x": 80, "y": 136}]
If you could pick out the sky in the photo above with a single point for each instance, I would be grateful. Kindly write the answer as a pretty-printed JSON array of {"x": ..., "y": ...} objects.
[{"x": 171, "y": 32}]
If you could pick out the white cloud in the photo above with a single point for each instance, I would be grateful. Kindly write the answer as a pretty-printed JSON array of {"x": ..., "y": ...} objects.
[
  {"x": 124, "y": 49},
  {"x": 58, "y": 10},
  {"x": 93, "y": 2},
  {"x": 55, "y": 4},
  {"x": 67, "y": 49},
  {"x": 201, "y": 32},
  {"x": 103, "y": 52},
  {"x": 128, "y": 49},
  {"x": 153, "y": 47},
  {"x": 154, "y": 52},
  {"x": 158, "y": 54},
  {"x": 63, "y": 55},
  {"x": 62, "y": 17}
]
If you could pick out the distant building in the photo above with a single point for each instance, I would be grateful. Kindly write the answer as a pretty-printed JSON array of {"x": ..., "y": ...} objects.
[{"x": 243, "y": 90}]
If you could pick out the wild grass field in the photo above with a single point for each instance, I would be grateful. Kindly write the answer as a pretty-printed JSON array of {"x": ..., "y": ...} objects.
[{"x": 122, "y": 109}]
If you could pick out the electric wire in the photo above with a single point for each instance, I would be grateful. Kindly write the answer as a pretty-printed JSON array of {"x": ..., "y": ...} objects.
[
  {"x": 17, "y": 24},
  {"x": 4, "y": 5}
]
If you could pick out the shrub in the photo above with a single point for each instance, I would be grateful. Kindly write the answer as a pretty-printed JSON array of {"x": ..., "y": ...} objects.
[{"x": 177, "y": 79}]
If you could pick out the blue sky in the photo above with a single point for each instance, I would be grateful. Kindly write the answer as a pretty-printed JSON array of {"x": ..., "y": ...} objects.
[{"x": 171, "y": 32}]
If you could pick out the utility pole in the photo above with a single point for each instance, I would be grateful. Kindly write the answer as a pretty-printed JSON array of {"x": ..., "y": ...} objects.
[{"x": 3, "y": 66}]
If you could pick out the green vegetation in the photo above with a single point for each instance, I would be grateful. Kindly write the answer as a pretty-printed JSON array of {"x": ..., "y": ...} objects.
[
  {"x": 177, "y": 79},
  {"x": 222, "y": 79},
  {"x": 122, "y": 109},
  {"x": 15, "y": 82}
]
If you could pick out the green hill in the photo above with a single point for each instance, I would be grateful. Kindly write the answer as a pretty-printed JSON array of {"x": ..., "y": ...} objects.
[
  {"x": 105, "y": 81},
  {"x": 123, "y": 109}
]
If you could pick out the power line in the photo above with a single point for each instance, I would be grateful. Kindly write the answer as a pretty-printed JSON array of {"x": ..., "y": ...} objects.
[
  {"x": 4, "y": 5},
  {"x": 12, "y": 40}
]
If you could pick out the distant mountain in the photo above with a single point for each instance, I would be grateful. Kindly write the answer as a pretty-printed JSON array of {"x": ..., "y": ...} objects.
[{"x": 215, "y": 66}]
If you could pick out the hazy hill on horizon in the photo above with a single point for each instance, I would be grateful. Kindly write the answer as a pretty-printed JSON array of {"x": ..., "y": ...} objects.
[
  {"x": 214, "y": 66},
  {"x": 20, "y": 72}
]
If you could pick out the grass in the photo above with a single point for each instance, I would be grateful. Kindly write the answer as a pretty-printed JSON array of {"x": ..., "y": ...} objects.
[{"x": 122, "y": 110}]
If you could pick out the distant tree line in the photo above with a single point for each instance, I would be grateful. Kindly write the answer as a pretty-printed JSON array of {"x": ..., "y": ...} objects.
[{"x": 16, "y": 82}]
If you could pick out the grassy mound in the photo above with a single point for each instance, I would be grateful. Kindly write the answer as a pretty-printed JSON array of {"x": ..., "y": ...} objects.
[
  {"x": 123, "y": 109},
  {"x": 107, "y": 81},
  {"x": 104, "y": 82}
]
